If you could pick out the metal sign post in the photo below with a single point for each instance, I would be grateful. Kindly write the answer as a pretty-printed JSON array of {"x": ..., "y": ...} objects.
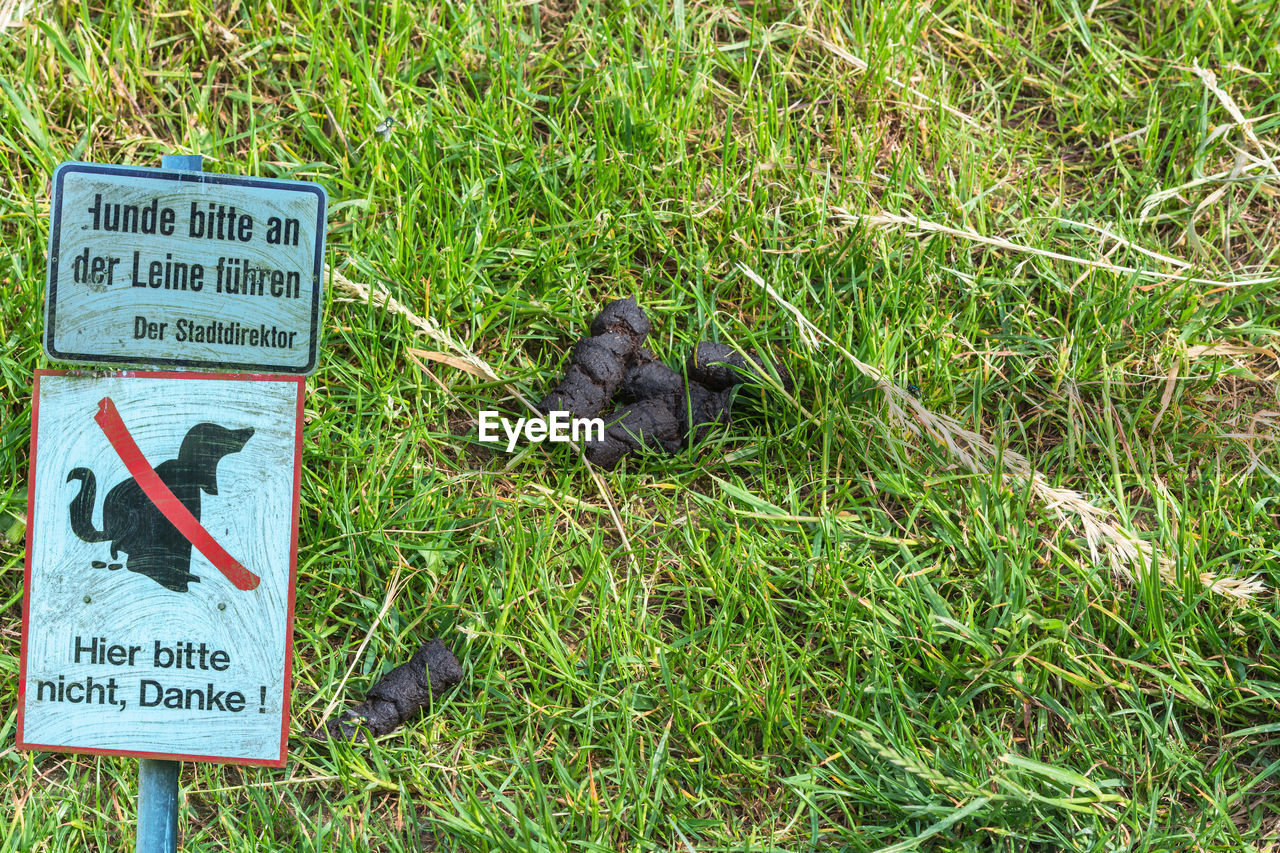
[
  {"x": 157, "y": 805},
  {"x": 157, "y": 777}
]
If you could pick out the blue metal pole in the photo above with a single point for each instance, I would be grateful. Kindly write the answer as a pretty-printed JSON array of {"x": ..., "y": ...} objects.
[
  {"x": 182, "y": 162},
  {"x": 158, "y": 779},
  {"x": 157, "y": 806}
]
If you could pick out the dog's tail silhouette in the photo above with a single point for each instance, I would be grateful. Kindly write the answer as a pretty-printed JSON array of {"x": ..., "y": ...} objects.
[{"x": 82, "y": 506}]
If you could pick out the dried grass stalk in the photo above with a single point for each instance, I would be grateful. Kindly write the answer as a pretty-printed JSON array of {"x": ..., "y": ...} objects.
[
  {"x": 891, "y": 220},
  {"x": 1109, "y": 540}
]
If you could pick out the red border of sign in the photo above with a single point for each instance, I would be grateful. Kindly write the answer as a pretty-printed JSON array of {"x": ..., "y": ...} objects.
[{"x": 300, "y": 382}]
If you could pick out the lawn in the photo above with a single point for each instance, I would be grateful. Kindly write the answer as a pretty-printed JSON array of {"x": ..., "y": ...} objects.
[{"x": 1000, "y": 572}]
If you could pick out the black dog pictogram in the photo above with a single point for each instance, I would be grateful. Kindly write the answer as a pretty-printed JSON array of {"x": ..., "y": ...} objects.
[{"x": 135, "y": 526}]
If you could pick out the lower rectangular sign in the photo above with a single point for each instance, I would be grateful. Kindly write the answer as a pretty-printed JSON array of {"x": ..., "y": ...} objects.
[{"x": 161, "y": 559}]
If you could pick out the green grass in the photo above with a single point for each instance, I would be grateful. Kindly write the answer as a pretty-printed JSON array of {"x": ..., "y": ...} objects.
[{"x": 828, "y": 633}]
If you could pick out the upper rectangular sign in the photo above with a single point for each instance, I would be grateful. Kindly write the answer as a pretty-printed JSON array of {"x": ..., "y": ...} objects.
[{"x": 159, "y": 267}]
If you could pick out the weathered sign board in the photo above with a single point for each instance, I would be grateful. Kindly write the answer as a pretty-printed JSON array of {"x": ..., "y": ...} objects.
[
  {"x": 192, "y": 269},
  {"x": 158, "y": 602}
]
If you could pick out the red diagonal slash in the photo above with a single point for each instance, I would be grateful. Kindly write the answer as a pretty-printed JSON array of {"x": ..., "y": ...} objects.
[{"x": 166, "y": 501}]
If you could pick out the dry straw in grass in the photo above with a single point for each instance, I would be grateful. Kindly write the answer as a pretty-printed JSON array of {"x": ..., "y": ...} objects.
[
  {"x": 916, "y": 224},
  {"x": 1109, "y": 540}
]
